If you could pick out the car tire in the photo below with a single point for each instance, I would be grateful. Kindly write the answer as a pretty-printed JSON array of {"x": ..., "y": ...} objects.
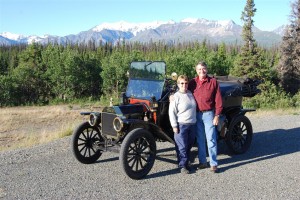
[
  {"x": 137, "y": 154},
  {"x": 82, "y": 143},
  {"x": 239, "y": 134}
]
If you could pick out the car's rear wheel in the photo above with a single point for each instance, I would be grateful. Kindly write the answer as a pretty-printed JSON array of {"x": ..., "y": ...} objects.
[
  {"x": 83, "y": 143},
  {"x": 239, "y": 134},
  {"x": 138, "y": 152}
]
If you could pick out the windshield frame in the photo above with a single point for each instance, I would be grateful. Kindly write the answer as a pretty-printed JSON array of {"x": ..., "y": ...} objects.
[
  {"x": 146, "y": 79},
  {"x": 153, "y": 70}
]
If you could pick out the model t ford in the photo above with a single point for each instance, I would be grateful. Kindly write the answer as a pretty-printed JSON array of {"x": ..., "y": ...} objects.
[{"x": 133, "y": 127}]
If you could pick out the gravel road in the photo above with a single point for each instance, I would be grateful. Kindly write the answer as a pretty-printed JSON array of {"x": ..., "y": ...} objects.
[{"x": 270, "y": 169}]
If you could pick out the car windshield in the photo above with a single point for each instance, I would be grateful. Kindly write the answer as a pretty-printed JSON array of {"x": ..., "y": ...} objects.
[{"x": 146, "y": 79}]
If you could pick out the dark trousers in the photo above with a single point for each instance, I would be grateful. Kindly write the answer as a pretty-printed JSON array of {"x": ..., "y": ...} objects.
[{"x": 184, "y": 141}]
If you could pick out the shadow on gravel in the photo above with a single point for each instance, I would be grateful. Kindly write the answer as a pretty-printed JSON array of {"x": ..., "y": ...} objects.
[
  {"x": 107, "y": 160},
  {"x": 161, "y": 154},
  {"x": 165, "y": 155},
  {"x": 265, "y": 145}
]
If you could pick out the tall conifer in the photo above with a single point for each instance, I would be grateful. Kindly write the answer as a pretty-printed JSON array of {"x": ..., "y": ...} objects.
[
  {"x": 247, "y": 63},
  {"x": 289, "y": 64}
]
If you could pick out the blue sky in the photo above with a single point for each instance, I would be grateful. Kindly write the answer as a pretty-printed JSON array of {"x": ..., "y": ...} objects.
[{"x": 63, "y": 17}]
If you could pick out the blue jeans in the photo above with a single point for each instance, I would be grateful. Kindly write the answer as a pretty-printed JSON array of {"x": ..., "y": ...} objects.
[
  {"x": 184, "y": 141},
  {"x": 206, "y": 131}
]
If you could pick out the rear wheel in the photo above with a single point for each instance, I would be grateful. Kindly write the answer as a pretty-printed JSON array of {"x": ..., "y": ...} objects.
[
  {"x": 83, "y": 143},
  {"x": 239, "y": 135},
  {"x": 138, "y": 153}
]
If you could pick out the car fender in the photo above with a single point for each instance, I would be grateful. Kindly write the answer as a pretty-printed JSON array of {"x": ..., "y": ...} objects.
[{"x": 151, "y": 127}]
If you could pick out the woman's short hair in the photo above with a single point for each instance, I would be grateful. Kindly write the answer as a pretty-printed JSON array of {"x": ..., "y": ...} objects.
[{"x": 182, "y": 77}]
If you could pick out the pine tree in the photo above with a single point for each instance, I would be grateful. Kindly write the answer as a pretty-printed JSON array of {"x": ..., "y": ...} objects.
[
  {"x": 246, "y": 62},
  {"x": 289, "y": 64},
  {"x": 247, "y": 17}
]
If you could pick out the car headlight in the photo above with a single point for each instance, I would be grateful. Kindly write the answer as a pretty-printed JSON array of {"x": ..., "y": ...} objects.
[
  {"x": 94, "y": 119},
  {"x": 118, "y": 124}
]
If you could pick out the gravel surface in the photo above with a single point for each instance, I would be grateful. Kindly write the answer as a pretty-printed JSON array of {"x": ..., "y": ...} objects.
[{"x": 268, "y": 170}]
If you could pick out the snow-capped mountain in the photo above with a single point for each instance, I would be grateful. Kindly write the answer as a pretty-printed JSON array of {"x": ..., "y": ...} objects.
[
  {"x": 12, "y": 36},
  {"x": 189, "y": 29},
  {"x": 129, "y": 27},
  {"x": 6, "y": 41},
  {"x": 23, "y": 39},
  {"x": 280, "y": 30}
]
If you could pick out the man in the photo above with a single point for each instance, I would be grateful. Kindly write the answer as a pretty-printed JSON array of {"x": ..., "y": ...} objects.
[{"x": 208, "y": 97}]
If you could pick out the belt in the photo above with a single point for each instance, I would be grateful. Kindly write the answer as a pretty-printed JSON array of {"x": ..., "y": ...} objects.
[{"x": 203, "y": 111}]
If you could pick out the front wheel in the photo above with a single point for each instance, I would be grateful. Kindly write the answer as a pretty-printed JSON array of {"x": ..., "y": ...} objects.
[
  {"x": 83, "y": 143},
  {"x": 138, "y": 152},
  {"x": 239, "y": 135}
]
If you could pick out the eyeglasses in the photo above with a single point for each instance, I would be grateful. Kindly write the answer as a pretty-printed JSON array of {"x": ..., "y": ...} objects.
[{"x": 184, "y": 83}]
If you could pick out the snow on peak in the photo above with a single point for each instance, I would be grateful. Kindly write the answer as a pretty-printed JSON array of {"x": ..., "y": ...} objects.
[
  {"x": 190, "y": 20},
  {"x": 132, "y": 27},
  {"x": 34, "y": 38},
  {"x": 29, "y": 39},
  {"x": 226, "y": 22},
  {"x": 12, "y": 36}
]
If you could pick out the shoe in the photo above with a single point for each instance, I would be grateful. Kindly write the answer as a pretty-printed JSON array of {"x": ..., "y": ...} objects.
[
  {"x": 184, "y": 170},
  {"x": 214, "y": 169},
  {"x": 190, "y": 167},
  {"x": 202, "y": 166}
]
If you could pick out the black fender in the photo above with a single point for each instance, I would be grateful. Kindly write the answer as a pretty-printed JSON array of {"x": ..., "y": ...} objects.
[
  {"x": 153, "y": 128},
  {"x": 243, "y": 111},
  {"x": 233, "y": 111}
]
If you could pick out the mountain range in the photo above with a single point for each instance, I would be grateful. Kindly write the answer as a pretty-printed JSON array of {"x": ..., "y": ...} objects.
[{"x": 170, "y": 32}]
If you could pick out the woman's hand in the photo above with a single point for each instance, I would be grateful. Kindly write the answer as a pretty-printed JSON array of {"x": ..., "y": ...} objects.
[{"x": 175, "y": 130}]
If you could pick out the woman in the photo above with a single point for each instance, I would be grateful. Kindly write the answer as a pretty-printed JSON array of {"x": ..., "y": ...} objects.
[{"x": 182, "y": 114}]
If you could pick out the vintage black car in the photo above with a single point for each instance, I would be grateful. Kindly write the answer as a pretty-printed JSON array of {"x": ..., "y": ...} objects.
[{"x": 133, "y": 127}]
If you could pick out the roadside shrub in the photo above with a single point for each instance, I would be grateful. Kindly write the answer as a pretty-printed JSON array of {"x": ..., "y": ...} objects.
[
  {"x": 296, "y": 99},
  {"x": 271, "y": 97}
]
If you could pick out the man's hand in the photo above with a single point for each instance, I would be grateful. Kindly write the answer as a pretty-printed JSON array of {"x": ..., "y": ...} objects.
[{"x": 216, "y": 120}]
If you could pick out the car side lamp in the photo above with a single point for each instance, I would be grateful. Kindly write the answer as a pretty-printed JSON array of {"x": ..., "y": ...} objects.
[
  {"x": 153, "y": 104},
  {"x": 94, "y": 118},
  {"x": 118, "y": 124}
]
